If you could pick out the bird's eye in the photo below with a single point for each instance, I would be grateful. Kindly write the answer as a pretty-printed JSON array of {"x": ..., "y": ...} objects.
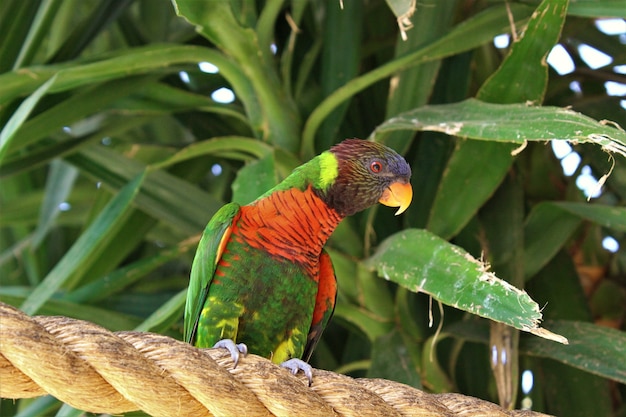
[{"x": 376, "y": 167}]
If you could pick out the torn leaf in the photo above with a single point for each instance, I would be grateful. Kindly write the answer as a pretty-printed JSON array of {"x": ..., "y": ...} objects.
[
  {"x": 403, "y": 10},
  {"x": 513, "y": 123},
  {"x": 421, "y": 261}
]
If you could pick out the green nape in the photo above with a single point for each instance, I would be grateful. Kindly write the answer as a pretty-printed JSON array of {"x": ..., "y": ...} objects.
[{"x": 320, "y": 172}]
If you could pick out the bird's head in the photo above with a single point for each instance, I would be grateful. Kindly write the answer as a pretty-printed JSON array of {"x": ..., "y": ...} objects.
[{"x": 366, "y": 173}]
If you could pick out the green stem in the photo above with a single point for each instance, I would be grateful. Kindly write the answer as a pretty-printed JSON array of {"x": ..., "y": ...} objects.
[{"x": 273, "y": 114}]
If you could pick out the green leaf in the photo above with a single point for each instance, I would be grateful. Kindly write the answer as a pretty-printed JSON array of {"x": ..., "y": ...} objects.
[
  {"x": 502, "y": 220},
  {"x": 597, "y": 349},
  {"x": 246, "y": 147},
  {"x": 471, "y": 33},
  {"x": 58, "y": 187},
  {"x": 28, "y": 161},
  {"x": 592, "y": 348},
  {"x": 107, "y": 318},
  {"x": 163, "y": 195},
  {"x": 17, "y": 17},
  {"x": 523, "y": 75},
  {"x": 42, "y": 406},
  {"x": 124, "y": 63},
  {"x": 84, "y": 31},
  {"x": 164, "y": 316},
  {"x": 558, "y": 284},
  {"x": 512, "y": 123},
  {"x": 370, "y": 325},
  {"x": 423, "y": 262},
  {"x": 13, "y": 126},
  {"x": 570, "y": 392},
  {"x": 374, "y": 294},
  {"x": 462, "y": 182},
  {"x": 435, "y": 377},
  {"x": 85, "y": 250},
  {"x": 594, "y": 8},
  {"x": 159, "y": 98},
  {"x": 341, "y": 36},
  {"x": 428, "y": 168},
  {"x": 346, "y": 270},
  {"x": 270, "y": 54},
  {"x": 75, "y": 108},
  {"x": 119, "y": 246},
  {"x": 124, "y": 277},
  {"x": 550, "y": 225},
  {"x": 272, "y": 114},
  {"x": 390, "y": 360},
  {"x": 254, "y": 179},
  {"x": 433, "y": 21},
  {"x": 611, "y": 217},
  {"x": 38, "y": 32},
  {"x": 68, "y": 411}
]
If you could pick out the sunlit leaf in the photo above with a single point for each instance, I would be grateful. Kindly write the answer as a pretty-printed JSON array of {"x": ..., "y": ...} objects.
[
  {"x": 512, "y": 123},
  {"x": 247, "y": 147},
  {"x": 18, "y": 118},
  {"x": 476, "y": 31},
  {"x": 120, "y": 64},
  {"x": 421, "y": 261}
]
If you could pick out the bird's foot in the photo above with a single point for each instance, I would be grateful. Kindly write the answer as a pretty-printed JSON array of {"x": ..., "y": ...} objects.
[
  {"x": 294, "y": 365},
  {"x": 234, "y": 349}
]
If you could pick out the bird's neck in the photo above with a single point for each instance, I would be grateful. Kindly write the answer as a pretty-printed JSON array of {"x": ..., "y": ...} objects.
[{"x": 291, "y": 224}]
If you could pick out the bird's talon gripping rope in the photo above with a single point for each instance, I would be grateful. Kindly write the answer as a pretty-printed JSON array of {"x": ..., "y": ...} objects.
[
  {"x": 234, "y": 349},
  {"x": 294, "y": 365}
]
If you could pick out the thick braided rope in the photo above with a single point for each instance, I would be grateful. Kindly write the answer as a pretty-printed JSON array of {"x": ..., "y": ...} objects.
[{"x": 92, "y": 369}]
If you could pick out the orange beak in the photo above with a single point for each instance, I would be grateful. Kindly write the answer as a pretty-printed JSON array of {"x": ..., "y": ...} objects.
[{"x": 397, "y": 195}]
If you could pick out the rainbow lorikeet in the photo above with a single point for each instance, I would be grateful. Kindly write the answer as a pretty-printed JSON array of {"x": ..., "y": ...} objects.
[{"x": 261, "y": 276}]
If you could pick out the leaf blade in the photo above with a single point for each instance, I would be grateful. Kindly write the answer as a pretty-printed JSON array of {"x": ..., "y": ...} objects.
[
  {"x": 85, "y": 249},
  {"x": 421, "y": 261}
]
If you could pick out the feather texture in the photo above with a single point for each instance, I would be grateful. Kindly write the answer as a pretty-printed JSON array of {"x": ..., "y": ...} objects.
[{"x": 261, "y": 276}]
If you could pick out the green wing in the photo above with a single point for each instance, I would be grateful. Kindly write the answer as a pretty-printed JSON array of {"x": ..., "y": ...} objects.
[{"x": 208, "y": 254}]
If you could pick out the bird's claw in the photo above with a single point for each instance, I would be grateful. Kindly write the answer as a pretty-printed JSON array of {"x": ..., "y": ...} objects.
[
  {"x": 294, "y": 365},
  {"x": 234, "y": 349}
]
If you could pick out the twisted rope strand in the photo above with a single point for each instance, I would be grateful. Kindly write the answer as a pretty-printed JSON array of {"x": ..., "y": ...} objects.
[{"x": 92, "y": 369}]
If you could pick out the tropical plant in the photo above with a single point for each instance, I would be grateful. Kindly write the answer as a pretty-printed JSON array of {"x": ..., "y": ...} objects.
[{"x": 116, "y": 149}]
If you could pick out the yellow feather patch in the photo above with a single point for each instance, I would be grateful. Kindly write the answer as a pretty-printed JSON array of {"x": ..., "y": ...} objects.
[
  {"x": 222, "y": 245},
  {"x": 222, "y": 322},
  {"x": 329, "y": 169},
  {"x": 287, "y": 348}
]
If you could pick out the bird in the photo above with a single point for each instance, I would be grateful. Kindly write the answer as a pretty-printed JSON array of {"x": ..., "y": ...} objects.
[{"x": 261, "y": 280}]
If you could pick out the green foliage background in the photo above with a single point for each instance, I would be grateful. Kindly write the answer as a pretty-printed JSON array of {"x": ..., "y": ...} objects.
[{"x": 108, "y": 172}]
